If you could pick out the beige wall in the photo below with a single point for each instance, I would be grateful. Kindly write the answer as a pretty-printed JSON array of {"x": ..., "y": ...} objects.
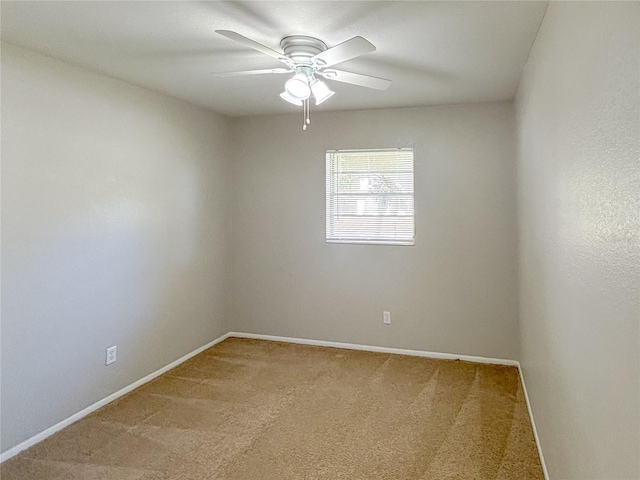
[
  {"x": 115, "y": 224},
  {"x": 579, "y": 185},
  {"x": 454, "y": 291}
]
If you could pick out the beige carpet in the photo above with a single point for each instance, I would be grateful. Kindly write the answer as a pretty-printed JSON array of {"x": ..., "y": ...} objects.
[{"x": 250, "y": 409}]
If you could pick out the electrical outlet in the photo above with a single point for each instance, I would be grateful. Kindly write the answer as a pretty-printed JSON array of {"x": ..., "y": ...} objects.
[
  {"x": 386, "y": 317},
  {"x": 112, "y": 355}
]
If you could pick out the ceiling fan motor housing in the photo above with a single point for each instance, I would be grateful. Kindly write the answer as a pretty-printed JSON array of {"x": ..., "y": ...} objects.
[{"x": 301, "y": 49}]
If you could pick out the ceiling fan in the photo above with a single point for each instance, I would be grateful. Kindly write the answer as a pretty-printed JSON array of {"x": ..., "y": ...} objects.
[{"x": 309, "y": 58}]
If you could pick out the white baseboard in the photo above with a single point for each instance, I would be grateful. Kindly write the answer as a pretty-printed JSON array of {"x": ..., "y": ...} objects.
[
  {"x": 370, "y": 348},
  {"x": 304, "y": 341},
  {"x": 83, "y": 413},
  {"x": 533, "y": 424}
]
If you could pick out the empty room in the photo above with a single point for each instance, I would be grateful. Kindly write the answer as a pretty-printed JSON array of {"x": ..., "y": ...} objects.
[{"x": 320, "y": 240}]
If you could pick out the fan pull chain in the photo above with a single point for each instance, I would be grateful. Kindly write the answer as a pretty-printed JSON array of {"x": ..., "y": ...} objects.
[{"x": 305, "y": 114}]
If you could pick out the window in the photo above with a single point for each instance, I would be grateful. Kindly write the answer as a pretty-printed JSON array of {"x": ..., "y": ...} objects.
[{"x": 370, "y": 196}]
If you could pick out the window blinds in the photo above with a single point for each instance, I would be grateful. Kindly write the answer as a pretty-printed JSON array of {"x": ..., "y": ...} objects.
[{"x": 370, "y": 196}]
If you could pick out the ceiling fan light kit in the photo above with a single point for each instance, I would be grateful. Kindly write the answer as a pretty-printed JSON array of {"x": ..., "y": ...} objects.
[
  {"x": 321, "y": 92},
  {"x": 291, "y": 99},
  {"x": 307, "y": 57},
  {"x": 298, "y": 86}
]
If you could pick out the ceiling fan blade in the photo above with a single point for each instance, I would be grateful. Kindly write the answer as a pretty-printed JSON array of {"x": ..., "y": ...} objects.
[
  {"x": 252, "y": 72},
  {"x": 353, "y": 47},
  {"x": 253, "y": 44},
  {"x": 356, "y": 79}
]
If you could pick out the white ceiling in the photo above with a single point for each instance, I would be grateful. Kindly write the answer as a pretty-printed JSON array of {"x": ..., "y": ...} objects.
[{"x": 434, "y": 52}]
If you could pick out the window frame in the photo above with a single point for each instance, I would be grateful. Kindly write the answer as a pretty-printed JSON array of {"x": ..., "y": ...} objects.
[{"x": 331, "y": 193}]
